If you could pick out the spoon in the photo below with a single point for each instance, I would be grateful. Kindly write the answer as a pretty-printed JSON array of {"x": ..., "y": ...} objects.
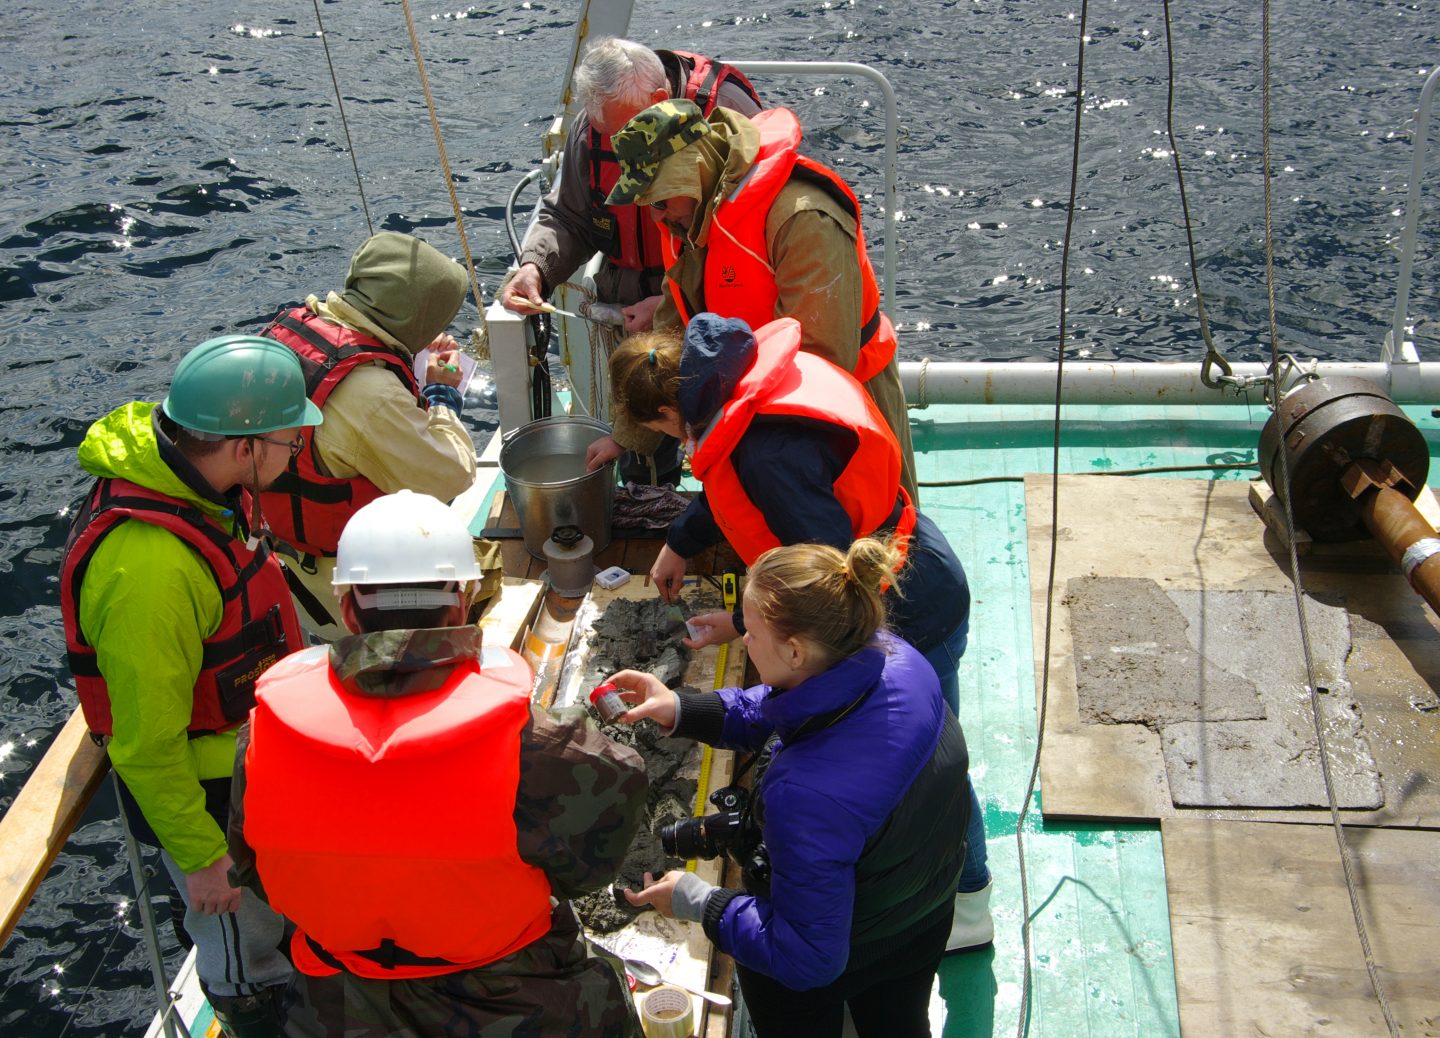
[{"x": 650, "y": 976}]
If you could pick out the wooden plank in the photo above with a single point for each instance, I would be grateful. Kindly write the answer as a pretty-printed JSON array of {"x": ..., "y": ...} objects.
[
  {"x": 42, "y": 816},
  {"x": 1203, "y": 536},
  {"x": 1267, "y": 506},
  {"x": 511, "y": 611},
  {"x": 1265, "y": 940}
]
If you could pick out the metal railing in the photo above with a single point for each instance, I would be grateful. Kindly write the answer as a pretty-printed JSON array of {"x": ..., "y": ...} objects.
[
  {"x": 892, "y": 120},
  {"x": 1396, "y": 348}
]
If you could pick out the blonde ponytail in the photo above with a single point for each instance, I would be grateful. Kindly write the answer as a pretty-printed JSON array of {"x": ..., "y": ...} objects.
[{"x": 829, "y": 600}]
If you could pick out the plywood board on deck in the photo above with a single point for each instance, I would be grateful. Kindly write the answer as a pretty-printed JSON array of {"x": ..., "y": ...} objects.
[
  {"x": 1265, "y": 939},
  {"x": 1200, "y": 541}
]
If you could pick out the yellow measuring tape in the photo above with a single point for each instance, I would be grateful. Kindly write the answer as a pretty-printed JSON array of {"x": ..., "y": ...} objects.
[{"x": 722, "y": 657}]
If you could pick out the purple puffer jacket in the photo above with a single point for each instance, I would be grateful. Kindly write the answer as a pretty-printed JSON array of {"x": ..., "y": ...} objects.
[{"x": 826, "y": 795}]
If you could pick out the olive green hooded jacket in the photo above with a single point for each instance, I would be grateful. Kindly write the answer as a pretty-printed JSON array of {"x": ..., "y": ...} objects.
[{"x": 810, "y": 244}]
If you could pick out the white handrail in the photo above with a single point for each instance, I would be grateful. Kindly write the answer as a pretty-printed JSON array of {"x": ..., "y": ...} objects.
[
  {"x": 852, "y": 68},
  {"x": 1395, "y": 342},
  {"x": 1132, "y": 382}
]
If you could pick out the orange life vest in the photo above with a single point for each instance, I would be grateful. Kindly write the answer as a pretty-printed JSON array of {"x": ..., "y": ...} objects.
[
  {"x": 629, "y": 238},
  {"x": 784, "y": 381},
  {"x": 304, "y": 507},
  {"x": 384, "y": 827},
  {"x": 257, "y": 623},
  {"x": 739, "y": 281}
]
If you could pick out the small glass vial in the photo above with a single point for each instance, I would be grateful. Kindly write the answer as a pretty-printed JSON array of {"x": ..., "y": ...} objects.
[{"x": 605, "y": 698}]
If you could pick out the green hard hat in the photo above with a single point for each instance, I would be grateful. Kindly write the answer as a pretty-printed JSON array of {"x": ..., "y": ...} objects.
[{"x": 237, "y": 385}]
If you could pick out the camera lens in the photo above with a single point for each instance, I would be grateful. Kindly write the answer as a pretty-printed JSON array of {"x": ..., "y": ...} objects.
[{"x": 687, "y": 839}]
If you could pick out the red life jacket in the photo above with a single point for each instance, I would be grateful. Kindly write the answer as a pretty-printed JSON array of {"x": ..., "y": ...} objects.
[
  {"x": 384, "y": 827},
  {"x": 784, "y": 381},
  {"x": 630, "y": 238},
  {"x": 257, "y": 625},
  {"x": 739, "y": 281},
  {"x": 303, "y": 507}
]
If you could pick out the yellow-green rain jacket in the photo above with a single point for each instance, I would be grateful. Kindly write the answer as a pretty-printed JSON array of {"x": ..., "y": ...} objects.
[{"x": 147, "y": 604}]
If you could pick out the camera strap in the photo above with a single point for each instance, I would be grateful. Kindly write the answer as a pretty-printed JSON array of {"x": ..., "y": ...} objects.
[{"x": 820, "y": 722}]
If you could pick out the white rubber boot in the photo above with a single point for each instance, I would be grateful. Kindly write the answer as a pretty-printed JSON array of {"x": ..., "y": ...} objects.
[{"x": 972, "y": 927}]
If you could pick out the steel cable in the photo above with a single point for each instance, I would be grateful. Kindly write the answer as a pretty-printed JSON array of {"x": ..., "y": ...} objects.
[
  {"x": 344, "y": 123},
  {"x": 1213, "y": 356},
  {"x": 444, "y": 160},
  {"x": 1028, "y": 979},
  {"x": 1283, "y": 490}
]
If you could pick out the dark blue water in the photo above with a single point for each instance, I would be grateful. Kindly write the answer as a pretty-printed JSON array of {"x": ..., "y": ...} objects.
[{"x": 172, "y": 171}]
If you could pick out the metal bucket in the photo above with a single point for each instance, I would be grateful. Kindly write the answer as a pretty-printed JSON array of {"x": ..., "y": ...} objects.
[{"x": 544, "y": 468}]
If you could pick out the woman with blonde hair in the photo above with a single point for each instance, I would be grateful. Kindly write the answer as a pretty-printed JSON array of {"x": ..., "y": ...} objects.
[
  {"x": 855, "y": 831},
  {"x": 790, "y": 449}
]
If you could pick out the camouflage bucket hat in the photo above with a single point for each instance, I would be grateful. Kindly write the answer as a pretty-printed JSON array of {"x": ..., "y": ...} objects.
[{"x": 648, "y": 139}]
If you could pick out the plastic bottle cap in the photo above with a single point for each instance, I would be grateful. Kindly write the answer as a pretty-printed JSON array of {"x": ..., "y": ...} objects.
[{"x": 604, "y": 688}]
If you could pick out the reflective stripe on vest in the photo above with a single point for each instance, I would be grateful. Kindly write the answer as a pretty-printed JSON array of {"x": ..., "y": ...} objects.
[
  {"x": 257, "y": 622},
  {"x": 784, "y": 381},
  {"x": 384, "y": 827},
  {"x": 629, "y": 236},
  {"x": 739, "y": 280},
  {"x": 303, "y": 507}
]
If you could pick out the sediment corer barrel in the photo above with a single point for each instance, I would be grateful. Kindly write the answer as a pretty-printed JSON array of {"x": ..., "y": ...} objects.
[
  {"x": 1356, "y": 464},
  {"x": 605, "y": 698}
]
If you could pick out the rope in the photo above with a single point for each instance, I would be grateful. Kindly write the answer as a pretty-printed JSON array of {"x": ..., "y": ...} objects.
[
  {"x": 1223, "y": 466},
  {"x": 444, "y": 161},
  {"x": 345, "y": 123},
  {"x": 1213, "y": 356},
  {"x": 603, "y": 340},
  {"x": 104, "y": 960},
  {"x": 1312, "y": 689},
  {"x": 924, "y": 390},
  {"x": 1027, "y": 983}
]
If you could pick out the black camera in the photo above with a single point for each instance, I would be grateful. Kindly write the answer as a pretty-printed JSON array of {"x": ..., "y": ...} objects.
[
  {"x": 736, "y": 831},
  {"x": 712, "y": 835}
]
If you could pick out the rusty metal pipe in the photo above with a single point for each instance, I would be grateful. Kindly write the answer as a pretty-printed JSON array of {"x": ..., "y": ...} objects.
[{"x": 1411, "y": 542}]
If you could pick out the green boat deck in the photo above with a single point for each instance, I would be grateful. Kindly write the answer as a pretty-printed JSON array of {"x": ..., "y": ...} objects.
[
  {"x": 1103, "y": 958},
  {"x": 1103, "y": 962}
]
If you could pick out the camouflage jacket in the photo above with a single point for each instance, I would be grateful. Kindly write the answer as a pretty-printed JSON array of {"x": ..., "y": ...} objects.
[{"x": 580, "y": 797}]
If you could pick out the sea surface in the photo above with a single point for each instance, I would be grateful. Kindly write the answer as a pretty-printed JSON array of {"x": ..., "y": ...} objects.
[{"x": 169, "y": 172}]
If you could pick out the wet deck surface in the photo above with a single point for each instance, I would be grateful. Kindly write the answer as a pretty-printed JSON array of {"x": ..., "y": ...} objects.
[
  {"x": 1103, "y": 961},
  {"x": 1103, "y": 956}
]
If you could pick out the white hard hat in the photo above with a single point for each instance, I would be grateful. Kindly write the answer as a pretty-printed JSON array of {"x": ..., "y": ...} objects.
[{"x": 405, "y": 538}]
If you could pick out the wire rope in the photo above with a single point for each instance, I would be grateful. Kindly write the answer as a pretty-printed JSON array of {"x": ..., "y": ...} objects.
[
  {"x": 1213, "y": 356},
  {"x": 444, "y": 159},
  {"x": 104, "y": 959},
  {"x": 345, "y": 123},
  {"x": 1222, "y": 466},
  {"x": 1283, "y": 490},
  {"x": 1027, "y": 937}
]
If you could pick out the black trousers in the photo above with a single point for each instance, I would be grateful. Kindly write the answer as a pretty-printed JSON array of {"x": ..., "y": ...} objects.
[{"x": 888, "y": 999}]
